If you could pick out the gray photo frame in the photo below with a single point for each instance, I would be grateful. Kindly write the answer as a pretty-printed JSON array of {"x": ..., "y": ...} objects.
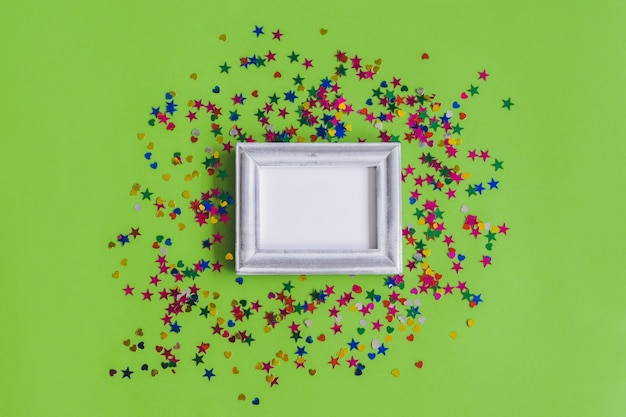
[{"x": 386, "y": 255}]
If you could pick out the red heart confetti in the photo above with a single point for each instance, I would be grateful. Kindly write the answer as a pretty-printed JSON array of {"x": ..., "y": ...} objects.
[{"x": 315, "y": 107}]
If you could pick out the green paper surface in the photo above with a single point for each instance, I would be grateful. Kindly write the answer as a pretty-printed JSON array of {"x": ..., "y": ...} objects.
[{"x": 78, "y": 81}]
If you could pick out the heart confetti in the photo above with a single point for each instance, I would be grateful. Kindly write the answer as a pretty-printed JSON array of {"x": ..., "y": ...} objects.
[{"x": 300, "y": 100}]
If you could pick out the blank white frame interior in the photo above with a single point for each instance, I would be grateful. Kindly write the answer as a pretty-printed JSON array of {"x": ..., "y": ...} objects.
[
  {"x": 331, "y": 208},
  {"x": 308, "y": 218}
]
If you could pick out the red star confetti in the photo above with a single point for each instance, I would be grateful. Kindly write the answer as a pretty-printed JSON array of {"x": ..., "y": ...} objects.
[{"x": 317, "y": 106}]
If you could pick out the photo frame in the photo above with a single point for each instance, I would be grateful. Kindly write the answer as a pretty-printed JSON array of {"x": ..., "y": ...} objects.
[{"x": 360, "y": 198}]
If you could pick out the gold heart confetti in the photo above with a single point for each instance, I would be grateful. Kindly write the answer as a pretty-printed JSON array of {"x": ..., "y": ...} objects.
[
  {"x": 213, "y": 217},
  {"x": 135, "y": 189}
]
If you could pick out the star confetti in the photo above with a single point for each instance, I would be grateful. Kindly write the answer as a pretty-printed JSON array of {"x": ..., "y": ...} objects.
[{"x": 188, "y": 199}]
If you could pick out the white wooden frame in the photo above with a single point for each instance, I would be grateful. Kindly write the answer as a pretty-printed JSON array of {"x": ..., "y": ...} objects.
[{"x": 386, "y": 258}]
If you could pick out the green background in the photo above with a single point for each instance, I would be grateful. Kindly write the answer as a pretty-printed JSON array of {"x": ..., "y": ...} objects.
[{"x": 78, "y": 79}]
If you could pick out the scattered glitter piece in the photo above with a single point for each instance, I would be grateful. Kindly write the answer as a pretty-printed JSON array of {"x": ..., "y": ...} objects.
[{"x": 300, "y": 101}]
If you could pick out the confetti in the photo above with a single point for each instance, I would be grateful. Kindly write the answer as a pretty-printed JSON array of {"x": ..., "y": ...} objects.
[{"x": 301, "y": 100}]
